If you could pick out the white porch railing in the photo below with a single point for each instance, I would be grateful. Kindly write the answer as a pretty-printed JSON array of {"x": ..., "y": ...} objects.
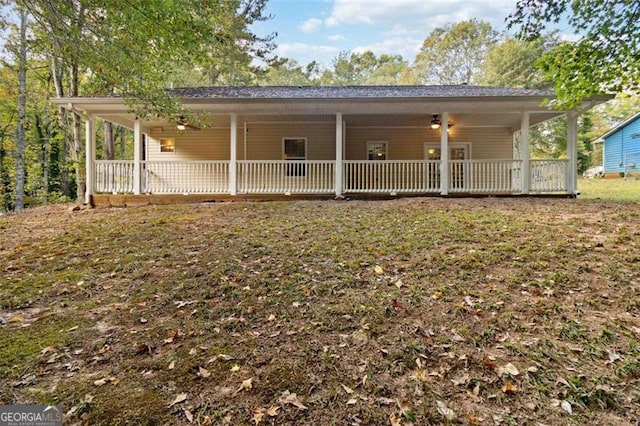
[
  {"x": 485, "y": 176},
  {"x": 113, "y": 176},
  {"x": 185, "y": 177},
  {"x": 318, "y": 177},
  {"x": 286, "y": 177},
  {"x": 549, "y": 175},
  {"x": 416, "y": 176}
]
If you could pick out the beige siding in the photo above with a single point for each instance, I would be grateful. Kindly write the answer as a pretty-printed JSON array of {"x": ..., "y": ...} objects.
[
  {"x": 205, "y": 144},
  {"x": 487, "y": 143},
  {"x": 264, "y": 140},
  {"x": 408, "y": 143}
]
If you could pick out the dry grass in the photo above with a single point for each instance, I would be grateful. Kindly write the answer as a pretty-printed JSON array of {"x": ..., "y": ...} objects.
[{"x": 413, "y": 311}]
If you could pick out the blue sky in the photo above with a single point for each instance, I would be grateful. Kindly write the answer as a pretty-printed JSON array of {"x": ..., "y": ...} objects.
[{"x": 320, "y": 29}]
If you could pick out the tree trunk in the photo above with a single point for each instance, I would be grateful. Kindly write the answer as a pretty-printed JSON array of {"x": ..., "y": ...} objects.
[
  {"x": 74, "y": 86},
  {"x": 3, "y": 187},
  {"x": 108, "y": 144},
  {"x": 22, "y": 101},
  {"x": 56, "y": 72},
  {"x": 46, "y": 156},
  {"x": 122, "y": 141}
]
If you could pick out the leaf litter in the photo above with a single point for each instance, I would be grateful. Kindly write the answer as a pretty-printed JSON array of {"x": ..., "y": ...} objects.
[{"x": 518, "y": 310}]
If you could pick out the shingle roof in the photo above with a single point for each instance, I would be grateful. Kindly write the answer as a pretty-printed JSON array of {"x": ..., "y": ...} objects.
[{"x": 353, "y": 92}]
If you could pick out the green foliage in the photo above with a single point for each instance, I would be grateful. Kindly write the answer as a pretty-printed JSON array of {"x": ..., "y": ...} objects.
[
  {"x": 130, "y": 49},
  {"x": 366, "y": 69},
  {"x": 605, "y": 59},
  {"x": 454, "y": 54},
  {"x": 286, "y": 72},
  {"x": 512, "y": 63}
]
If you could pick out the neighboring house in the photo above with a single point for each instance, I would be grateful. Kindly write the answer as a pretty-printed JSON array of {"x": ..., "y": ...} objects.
[
  {"x": 440, "y": 140},
  {"x": 621, "y": 152}
]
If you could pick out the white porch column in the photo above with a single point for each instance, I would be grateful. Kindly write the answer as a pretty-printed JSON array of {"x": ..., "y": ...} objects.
[
  {"x": 572, "y": 153},
  {"x": 137, "y": 157},
  {"x": 233, "y": 157},
  {"x": 90, "y": 157},
  {"x": 339, "y": 150},
  {"x": 444, "y": 154},
  {"x": 524, "y": 150}
]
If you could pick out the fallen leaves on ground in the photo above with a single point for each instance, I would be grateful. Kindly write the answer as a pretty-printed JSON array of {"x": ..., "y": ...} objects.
[
  {"x": 506, "y": 311},
  {"x": 178, "y": 399},
  {"x": 291, "y": 398}
]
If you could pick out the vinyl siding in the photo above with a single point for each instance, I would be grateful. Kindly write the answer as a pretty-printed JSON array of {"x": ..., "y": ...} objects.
[
  {"x": 191, "y": 145},
  {"x": 264, "y": 142},
  {"x": 489, "y": 143},
  {"x": 625, "y": 141}
]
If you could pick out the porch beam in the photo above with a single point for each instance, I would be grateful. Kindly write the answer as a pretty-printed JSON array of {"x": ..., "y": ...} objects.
[
  {"x": 90, "y": 157},
  {"x": 444, "y": 154},
  {"x": 339, "y": 151},
  {"x": 233, "y": 157},
  {"x": 572, "y": 153},
  {"x": 137, "y": 157},
  {"x": 525, "y": 153}
]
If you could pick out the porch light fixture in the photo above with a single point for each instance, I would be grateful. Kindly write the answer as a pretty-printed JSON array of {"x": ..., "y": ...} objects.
[
  {"x": 181, "y": 126},
  {"x": 435, "y": 123}
]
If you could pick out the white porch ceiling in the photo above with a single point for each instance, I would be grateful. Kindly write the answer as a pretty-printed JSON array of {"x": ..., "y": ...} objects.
[
  {"x": 505, "y": 119},
  {"x": 463, "y": 112}
]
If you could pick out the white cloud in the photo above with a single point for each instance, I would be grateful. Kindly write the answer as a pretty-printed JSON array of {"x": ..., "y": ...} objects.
[
  {"x": 569, "y": 37},
  {"x": 336, "y": 37},
  {"x": 287, "y": 48},
  {"x": 408, "y": 47},
  {"x": 419, "y": 14},
  {"x": 310, "y": 25}
]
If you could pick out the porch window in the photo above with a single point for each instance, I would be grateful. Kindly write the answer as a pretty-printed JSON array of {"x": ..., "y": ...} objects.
[
  {"x": 167, "y": 145},
  {"x": 377, "y": 151},
  {"x": 295, "y": 150}
]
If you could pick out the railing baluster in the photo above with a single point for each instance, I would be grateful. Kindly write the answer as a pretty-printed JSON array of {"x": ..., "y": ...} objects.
[{"x": 360, "y": 176}]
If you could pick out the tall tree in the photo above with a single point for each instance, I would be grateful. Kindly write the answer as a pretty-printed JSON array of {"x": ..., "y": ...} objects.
[
  {"x": 22, "y": 102},
  {"x": 606, "y": 58},
  {"x": 454, "y": 54},
  {"x": 512, "y": 63},
  {"x": 128, "y": 48},
  {"x": 285, "y": 72},
  {"x": 350, "y": 68}
]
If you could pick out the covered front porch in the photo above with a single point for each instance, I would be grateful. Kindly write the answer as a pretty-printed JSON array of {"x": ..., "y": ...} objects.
[
  {"x": 489, "y": 177},
  {"x": 450, "y": 141}
]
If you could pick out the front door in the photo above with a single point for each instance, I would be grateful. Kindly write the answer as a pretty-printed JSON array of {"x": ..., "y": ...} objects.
[{"x": 457, "y": 151}]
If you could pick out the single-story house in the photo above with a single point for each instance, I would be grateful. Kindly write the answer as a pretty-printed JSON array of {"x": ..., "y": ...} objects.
[
  {"x": 621, "y": 151},
  {"x": 335, "y": 141}
]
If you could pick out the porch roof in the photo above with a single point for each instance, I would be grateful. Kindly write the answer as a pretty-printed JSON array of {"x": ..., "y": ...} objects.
[
  {"x": 473, "y": 106},
  {"x": 355, "y": 92}
]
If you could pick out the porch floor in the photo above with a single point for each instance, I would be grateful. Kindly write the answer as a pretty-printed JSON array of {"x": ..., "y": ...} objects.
[{"x": 128, "y": 200}]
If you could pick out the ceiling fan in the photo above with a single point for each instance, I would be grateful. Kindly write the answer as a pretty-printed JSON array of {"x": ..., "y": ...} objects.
[{"x": 182, "y": 123}]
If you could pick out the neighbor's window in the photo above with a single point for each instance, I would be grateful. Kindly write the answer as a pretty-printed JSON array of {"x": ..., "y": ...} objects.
[
  {"x": 167, "y": 145},
  {"x": 295, "y": 150}
]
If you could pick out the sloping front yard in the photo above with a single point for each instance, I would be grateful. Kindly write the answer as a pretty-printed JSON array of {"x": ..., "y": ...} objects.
[{"x": 413, "y": 311}]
